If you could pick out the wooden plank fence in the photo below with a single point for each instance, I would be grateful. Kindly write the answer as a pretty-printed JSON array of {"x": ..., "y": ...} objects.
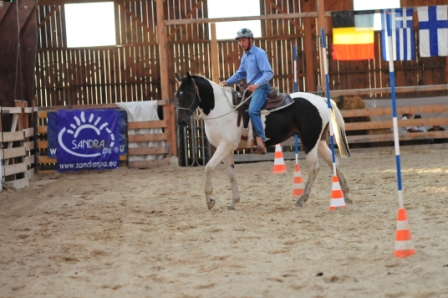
[
  {"x": 380, "y": 131},
  {"x": 17, "y": 145}
]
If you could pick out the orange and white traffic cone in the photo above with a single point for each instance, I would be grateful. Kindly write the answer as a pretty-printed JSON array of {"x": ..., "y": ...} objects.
[
  {"x": 337, "y": 197},
  {"x": 297, "y": 187},
  {"x": 403, "y": 240},
  {"x": 279, "y": 162}
]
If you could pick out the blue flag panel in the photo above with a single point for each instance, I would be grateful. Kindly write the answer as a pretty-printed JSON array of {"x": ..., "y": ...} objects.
[
  {"x": 87, "y": 139},
  {"x": 53, "y": 140}
]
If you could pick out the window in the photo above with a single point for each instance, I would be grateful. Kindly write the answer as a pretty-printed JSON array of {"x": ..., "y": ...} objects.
[
  {"x": 377, "y": 4},
  {"x": 90, "y": 24},
  {"x": 234, "y": 8}
]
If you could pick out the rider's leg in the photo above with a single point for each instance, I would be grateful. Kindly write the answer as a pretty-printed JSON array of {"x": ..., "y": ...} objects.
[{"x": 256, "y": 103}]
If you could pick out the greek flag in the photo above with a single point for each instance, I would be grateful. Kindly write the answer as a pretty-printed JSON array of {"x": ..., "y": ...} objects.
[
  {"x": 403, "y": 38},
  {"x": 433, "y": 33}
]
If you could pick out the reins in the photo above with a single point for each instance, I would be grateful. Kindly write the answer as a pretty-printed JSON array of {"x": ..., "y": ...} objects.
[
  {"x": 200, "y": 116},
  {"x": 234, "y": 108}
]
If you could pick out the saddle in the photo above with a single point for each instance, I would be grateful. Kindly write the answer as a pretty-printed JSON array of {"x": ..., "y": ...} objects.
[{"x": 274, "y": 102}]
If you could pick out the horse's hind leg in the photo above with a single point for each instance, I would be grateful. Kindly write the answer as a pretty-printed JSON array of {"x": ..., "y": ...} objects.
[
  {"x": 230, "y": 166},
  {"x": 325, "y": 153},
  {"x": 313, "y": 168}
]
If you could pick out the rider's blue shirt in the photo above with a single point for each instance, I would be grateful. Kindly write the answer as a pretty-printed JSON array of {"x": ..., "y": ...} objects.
[{"x": 254, "y": 67}]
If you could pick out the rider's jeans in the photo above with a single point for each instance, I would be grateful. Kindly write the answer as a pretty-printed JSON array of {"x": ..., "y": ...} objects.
[{"x": 256, "y": 103}]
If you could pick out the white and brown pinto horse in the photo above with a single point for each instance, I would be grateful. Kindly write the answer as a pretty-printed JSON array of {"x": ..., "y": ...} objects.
[{"x": 308, "y": 117}]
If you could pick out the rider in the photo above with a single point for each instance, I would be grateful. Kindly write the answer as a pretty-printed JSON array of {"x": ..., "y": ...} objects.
[{"x": 257, "y": 70}]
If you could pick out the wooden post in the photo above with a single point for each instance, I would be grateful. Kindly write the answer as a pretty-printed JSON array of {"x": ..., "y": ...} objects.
[
  {"x": 214, "y": 54},
  {"x": 321, "y": 25},
  {"x": 168, "y": 110},
  {"x": 310, "y": 82}
]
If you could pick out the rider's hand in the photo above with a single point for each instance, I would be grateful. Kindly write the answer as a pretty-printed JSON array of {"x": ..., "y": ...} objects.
[
  {"x": 223, "y": 83},
  {"x": 252, "y": 87}
]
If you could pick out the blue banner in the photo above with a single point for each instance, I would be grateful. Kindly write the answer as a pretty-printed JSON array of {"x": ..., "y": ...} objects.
[
  {"x": 53, "y": 139},
  {"x": 87, "y": 139}
]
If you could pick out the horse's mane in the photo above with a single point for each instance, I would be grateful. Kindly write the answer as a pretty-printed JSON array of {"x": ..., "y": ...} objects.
[{"x": 202, "y": 77}]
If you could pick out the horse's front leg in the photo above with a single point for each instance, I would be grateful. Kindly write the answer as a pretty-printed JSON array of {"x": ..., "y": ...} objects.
[
  {"x": 220, "y": 154},
  {"x": 230, "y": 166}
]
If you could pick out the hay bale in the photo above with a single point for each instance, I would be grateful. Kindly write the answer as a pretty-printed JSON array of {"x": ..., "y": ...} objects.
[{"x": 351, "y": 103}]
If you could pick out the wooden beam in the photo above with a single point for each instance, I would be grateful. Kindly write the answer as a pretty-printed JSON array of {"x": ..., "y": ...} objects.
[
  {"x": 214, "y": 54},
  {"x": 400, "y": 110},
  {"x": 14, "y": 152},
  {"x": 147, "y": 124},
  {"x": 147, "y": 151},
  {"x": 389, "y": 137},
  {"x": 42, "y": 111},
  {"x": 234, "y": 19},
  {"x": 353, "y": 126},
  {"x": 310, "y": 81},
  {"x": 148, "y": 137},
  {"x": 321, "y": 25},
  {"x": 369, "y": 91},
  {"x": 164, "y": 51}
]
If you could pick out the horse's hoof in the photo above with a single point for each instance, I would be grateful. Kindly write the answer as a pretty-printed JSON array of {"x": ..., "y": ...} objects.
[
  {"x": 350, "y": 201},
  {"x": 210, "y": 204},
  {"x": 299, "y": 203},
  {"x": 230, "y": 208}
]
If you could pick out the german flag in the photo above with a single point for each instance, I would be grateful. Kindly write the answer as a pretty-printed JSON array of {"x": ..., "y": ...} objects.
[{"x": 353, "y": 35}]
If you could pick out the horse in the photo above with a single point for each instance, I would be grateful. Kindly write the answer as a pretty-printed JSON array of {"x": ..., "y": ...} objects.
[{"x": 308, "y": 117}]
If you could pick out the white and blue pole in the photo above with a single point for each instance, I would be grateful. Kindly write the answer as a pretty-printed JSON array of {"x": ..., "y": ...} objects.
[
  {"x": 327, "y": 83},
  {"x": 404, "y": 246},
  {"x": 295, "y": 90},
  {"x": 295, "y": 69},
  {"x": 394, "y": 109}
]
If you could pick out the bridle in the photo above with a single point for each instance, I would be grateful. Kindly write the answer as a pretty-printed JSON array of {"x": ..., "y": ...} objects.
[
  {"x": 196, "y": 92},
  {"x": 199, "y": 117}
]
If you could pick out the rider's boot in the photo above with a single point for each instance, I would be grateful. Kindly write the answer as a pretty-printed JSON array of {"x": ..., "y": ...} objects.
[{"x": 260, "y": 147}]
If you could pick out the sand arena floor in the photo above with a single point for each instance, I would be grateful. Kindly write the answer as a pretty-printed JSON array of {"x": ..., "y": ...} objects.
[{"x": 148, "y": 233}]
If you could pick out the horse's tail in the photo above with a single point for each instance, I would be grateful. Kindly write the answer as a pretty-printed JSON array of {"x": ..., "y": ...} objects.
[{"x": 339, "y": 130}]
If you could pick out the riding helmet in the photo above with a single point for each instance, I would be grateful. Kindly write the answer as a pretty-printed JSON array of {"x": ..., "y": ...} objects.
[{"x": 244, "y": 33}]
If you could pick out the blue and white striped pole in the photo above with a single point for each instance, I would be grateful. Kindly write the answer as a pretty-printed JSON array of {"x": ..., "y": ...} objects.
[
  {"x": 295, "y": 69},
  {"x": 394, "y": 109},
  {"x": 295, "y": 90},
  {"x": 404, "y": 246},
  {"x": 327, "y": 83}
]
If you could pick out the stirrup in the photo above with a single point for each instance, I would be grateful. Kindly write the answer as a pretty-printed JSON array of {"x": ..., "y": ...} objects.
[{"x": 259, "y": 148}]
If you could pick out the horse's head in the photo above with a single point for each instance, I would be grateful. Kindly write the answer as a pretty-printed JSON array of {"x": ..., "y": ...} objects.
[{"x": 187, "y": 96}]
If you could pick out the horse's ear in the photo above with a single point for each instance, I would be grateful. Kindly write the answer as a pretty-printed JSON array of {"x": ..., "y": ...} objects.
[
  {"x": 178, "y": 77},
  {"x": 188, "y": 76}
]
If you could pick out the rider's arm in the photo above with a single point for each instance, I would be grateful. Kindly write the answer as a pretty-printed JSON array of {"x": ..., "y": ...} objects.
[
  {"x": 265, "y": 68},
  {"x": 240, "y": 74}
]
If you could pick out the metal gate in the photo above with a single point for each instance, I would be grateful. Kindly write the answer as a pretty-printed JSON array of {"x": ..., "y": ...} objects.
[{"x": 194, "y": 148}]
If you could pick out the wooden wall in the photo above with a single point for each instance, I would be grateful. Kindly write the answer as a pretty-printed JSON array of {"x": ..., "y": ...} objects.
[
  {"x": 131, "y": 70},
  {"x": 100, "y": 75}
]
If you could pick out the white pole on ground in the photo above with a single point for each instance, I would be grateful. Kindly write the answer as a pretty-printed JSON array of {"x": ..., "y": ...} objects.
[{"x": 327, "y": 83}]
